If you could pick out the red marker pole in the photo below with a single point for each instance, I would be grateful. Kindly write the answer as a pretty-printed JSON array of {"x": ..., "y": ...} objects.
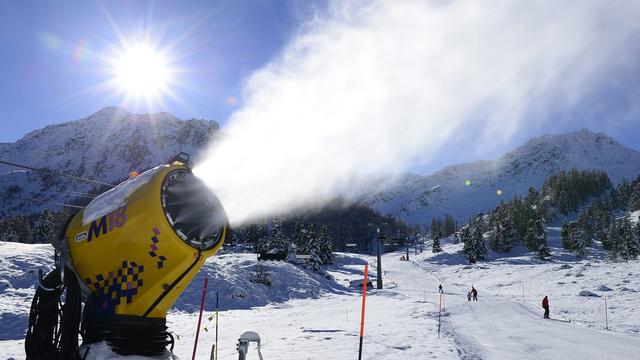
[
  {"x": 364, "y": 302},
  {"x": 204, "y": 293}
]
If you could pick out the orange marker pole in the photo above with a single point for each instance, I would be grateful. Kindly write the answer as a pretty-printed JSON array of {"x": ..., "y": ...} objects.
[{"x": 364, "y": 301}]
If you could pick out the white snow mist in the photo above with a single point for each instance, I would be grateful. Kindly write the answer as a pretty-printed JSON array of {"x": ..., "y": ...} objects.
[{"x": 374, "y": 87}]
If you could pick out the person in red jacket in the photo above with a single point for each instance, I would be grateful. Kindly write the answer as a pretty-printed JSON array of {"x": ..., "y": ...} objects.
[{"x": 545, "y": 306}]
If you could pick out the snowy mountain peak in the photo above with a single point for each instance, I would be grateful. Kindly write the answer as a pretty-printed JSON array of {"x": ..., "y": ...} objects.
[
  {"x": 417, "y": 199},
  {"x": 573, "y": 147},
  {"x": 106, "y": 145}
]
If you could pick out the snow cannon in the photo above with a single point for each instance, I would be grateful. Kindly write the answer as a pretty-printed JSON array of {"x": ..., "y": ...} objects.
[{"x": 129, "y": 255}]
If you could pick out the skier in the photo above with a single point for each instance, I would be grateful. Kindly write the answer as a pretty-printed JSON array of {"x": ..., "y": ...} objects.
[
  {"x": 469, "y": 296},
  {"x": 440, "y": 289},
  {"x": 545, "y": 306},
  {"x": 474, "y": 292}
]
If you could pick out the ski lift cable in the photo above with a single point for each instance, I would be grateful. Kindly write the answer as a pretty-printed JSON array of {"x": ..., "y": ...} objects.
[
  {"x": 51, "y": 202},
  {"x": 71, "y": 192},
  {"x": 56, "y": 173}
]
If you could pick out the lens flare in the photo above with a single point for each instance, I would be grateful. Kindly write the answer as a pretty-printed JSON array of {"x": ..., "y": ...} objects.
[
  {"x": 468, "y": 182},
  {"x": 499, "y": 192},
  {"x": 81, "y": 50}
]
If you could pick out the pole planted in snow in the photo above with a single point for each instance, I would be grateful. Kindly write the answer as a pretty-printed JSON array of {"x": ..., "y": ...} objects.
[
  {"x": 379, "y": 259},
  {"x": 606, "y": 317},
  {"x": 204, "y": 293},
  {"x": 364, "y": 301},
  {"x": 217, "y": 307},
  {"x": 439, "y": 313}
]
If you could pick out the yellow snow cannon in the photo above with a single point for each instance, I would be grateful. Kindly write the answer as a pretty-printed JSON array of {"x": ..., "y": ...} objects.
[{"x": 134, "y": 249}]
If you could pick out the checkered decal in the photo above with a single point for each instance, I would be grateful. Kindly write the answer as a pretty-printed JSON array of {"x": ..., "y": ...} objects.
[
  {"x": 123, "y": 283},
  {"x": 154, "y": 248}
]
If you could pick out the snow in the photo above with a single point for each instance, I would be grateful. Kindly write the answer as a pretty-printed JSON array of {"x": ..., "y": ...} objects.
[
  {"x": 116, "y": 197},
  {"x": 104, "y": 146},
  {"x": 416, "y": 199},
  {"x": 308, "y": 316}
]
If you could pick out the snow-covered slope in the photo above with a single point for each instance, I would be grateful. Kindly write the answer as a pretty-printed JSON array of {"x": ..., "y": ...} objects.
[
  {"x": 230, "y": 274},
  {"x": 106, "y": 146},
  {"x": 417, "y": 199},
  {"x": 401, "y": 320}
]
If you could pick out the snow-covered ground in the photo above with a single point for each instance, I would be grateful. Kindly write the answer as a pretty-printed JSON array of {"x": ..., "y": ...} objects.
[
  {"x": 306, "y": 316},
  {"x": 507, "y": 323}
]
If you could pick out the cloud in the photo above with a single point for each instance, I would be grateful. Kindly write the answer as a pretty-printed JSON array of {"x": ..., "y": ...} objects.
[{"x": 374, "y": 87}]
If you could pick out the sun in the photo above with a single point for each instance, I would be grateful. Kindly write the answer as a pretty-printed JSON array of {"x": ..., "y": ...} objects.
[{"x": 141, "y": 70}]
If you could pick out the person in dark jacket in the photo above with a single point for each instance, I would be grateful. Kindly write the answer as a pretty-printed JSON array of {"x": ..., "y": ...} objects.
[
  {"x": 545, "y": 306},
  {"x": 469, "y": 295},
  {"x": 474, "y": 292}
]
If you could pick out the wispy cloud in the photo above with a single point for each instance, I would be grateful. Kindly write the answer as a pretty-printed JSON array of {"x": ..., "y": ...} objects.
[{"x": 374, "y": 87}]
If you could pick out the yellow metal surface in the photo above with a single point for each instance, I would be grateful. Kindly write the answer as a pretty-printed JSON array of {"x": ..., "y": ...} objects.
[{"x": 131, "y": 255}]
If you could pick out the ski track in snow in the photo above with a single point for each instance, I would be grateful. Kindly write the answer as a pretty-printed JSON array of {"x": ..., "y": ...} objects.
[{"x": 401, "y": 320}]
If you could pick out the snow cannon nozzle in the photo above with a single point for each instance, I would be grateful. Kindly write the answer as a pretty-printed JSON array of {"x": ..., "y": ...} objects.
[{"x": 194, "y": 212}]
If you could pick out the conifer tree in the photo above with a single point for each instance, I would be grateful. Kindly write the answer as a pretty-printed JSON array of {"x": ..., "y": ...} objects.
[
  {"x": 22, "y": 229},
  {"x": 530, "y": 240},
  {"x": 465, "y": 238},
  {"x": 312, "y": 248},
  {"x": 257, "y": 237},
  {"x": 541, "y": 240},
  {"x": 279, "y": 241},
  {"x": 479, "y": 249},
  {"x": 629, "y": 246},
  {"x": 612, "y": 243},
  {"x": 325, "y": 245},
  {"x": 564, "y": 232},
  {"x": 44, "y": 227},
  {"x": 505, "y": 232},
  {"x": 497, "y": 240},
  {"x": 456, "y": 238},
  {"x": 436, "y": 228},
  {"x": 577, "y": 239},
  {"x": 8, "y": 234},
  {"x": 634, "y": 203},
  {"x": 436, "y": 248}
]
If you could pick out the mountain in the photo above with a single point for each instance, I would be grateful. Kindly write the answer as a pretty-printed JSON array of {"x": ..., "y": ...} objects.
[
  {"x": 111, "y": 143},
  {"x": 105, "y": 146},
  {"x": 417, "y": 199}
]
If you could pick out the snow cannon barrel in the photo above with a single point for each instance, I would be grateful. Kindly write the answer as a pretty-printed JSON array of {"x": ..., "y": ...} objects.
[{"x": 135, "y": 249}]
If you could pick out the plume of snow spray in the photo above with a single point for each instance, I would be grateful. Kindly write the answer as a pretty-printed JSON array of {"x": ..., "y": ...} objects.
[{"x": 370, "y": 88}]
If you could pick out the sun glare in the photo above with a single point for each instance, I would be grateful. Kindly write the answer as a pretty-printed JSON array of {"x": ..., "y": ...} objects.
[{"x": 141, "y": 71}]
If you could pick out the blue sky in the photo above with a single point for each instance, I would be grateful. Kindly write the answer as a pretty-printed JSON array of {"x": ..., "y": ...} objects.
[{"x": 53, "y": 54}]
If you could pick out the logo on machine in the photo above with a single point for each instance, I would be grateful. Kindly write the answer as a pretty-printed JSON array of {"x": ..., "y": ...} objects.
[
  {"x": 107, "y": 223},
  {"x": 81, "y": 236}
]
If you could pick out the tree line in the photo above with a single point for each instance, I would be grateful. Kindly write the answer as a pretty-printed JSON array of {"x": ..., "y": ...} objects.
[
  {"x": 599, "y": 222},
  {"x": 522, "y": 219},
  {"x": 317, "y": 233},
  {"x": 39, "y": 228}
]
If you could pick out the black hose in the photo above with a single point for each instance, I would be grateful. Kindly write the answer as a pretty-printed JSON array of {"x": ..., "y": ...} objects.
[{"x": 53, "y": 327}]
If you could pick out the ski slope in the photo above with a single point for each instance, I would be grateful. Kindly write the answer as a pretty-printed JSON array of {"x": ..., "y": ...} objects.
[
  {"x": 306, "y": 316},
  {"x": 495, "y": 328}
]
